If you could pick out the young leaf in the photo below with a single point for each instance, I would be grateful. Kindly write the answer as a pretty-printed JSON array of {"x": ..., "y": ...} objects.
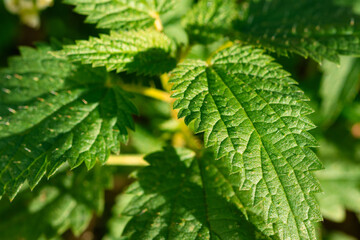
[
  {"x": 339, "y": 86},
  {"x": 177, "y": 197},
  {"x": 56, "y": 207},
  {"x": 122, "y": 14},
  {"x": 254, "y": 118},
  {"x": 53, "y": 111},
  {"x": 143, "y": 52},
  {"x": 209, "y": 20},
  {"x": 316, "y": 29}
]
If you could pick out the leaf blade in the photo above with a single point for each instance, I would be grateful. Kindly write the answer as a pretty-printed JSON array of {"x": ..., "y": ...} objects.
[
  {"x": 254, "y": 119},
  {"x": 210, "y": 20},
  {"x": 277, "y": 26},
  {"x": 123, "y": 14},
  {"x": 67, "y": 122},
  {"x": 181, "y": 205},
  {"x": 143, "y": 52}
]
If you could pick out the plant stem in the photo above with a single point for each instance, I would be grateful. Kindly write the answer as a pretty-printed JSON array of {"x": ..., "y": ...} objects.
[
  {"x": 158, "y": 24},
  {"x": 191, "y": 141},
  {"x": 149, "y": 92},
  {"x": 127, "y": 160},
  {"x": 165, "y": 82}
]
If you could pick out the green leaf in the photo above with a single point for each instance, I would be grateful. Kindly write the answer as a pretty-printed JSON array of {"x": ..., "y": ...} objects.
[
  {"x": 254, "y": 118},
  {"x": 210, "y": 20},
  {"x": 144, "y": 141},
  {"x": 53, "y": 112},
  {"x": 67, "y": 202},
  {"x": 338, "y": 87},
  {"x": 316, "y": 29},
  {"x": 144, "y": 52},
  {"x": 122, "y": 14},
  {"x": 338, "y": 236},
  {"x": 172, "y": 22},
  {"x": 340, "y": 183},
  {"x": 179, "y": 197}
]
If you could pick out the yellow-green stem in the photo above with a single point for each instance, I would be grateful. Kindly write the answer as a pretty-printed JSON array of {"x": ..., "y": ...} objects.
[
  {"x": 149, "y": 92},
  {"x": 127, "y": 160},
  {"x": 158, "y": 24}
]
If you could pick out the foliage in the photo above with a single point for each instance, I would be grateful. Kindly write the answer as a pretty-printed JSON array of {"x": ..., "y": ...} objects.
[
  {"x": 57, "y": 206},
  {"x": 254, "y": 120},
  {"x": 310, "y": 34},
  {"x": 210, "y": 20},
  {"x": 182, "y": 202},
  {"x": 122, "y": 14},
  {"x": 54, "y": 111},
  {"x": 133, "y": 51},
  {"x": 227, "y": 132}
]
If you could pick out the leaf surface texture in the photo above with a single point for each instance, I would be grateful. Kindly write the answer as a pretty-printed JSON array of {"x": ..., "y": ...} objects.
[
  {"x": 254, "y": 118},
  {"x": 183, "y": 201},
  {"x": 316, "y": 29},
  {"x": 53, "y": 112},
  {"x": 122, "y": 14},
  {"x": 144, "y": 52},
  {"x": 210, "y": 20}
]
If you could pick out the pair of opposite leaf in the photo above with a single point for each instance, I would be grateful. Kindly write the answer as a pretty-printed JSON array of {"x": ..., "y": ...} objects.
[{"x": 252, "y": 114}]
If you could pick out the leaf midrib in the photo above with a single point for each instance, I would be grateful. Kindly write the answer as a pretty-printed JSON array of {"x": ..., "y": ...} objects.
[{"x": 260, "y": 138}]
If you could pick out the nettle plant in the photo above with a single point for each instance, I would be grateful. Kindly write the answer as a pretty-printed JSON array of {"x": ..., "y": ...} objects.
[{"x": 238, "y": 163}]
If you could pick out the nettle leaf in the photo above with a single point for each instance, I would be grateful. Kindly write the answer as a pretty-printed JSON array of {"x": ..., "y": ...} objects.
[
  {"x": 53, "y": 112},
  {"x": 122, "y": 14},
  {"x": 254, "y": 118},
  {"x": 56, "y": 207},
  {"x": 209, "y": 20},
  {"x": 144, "y": 52},
  {"x": 178, "y": 197},
  {"x": 323, "y": 30}
]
